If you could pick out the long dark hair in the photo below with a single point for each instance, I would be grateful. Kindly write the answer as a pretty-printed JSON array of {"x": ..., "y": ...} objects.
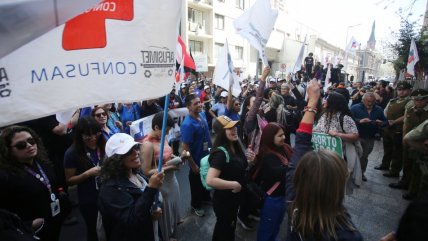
[
  {"x": 221, "y": 140},
  {"x": 87, "y": 126},
  {"x": 337, "y": 103},
  {"x": 7, "y": 161}
]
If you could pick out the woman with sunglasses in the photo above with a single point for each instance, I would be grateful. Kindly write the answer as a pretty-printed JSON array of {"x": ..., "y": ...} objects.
[
  {"x": 101, "y": 116},
  {"x": 27, "y": 182},
  {"x": 82, "y": 164},
  {"x": 126, "y": 198}
]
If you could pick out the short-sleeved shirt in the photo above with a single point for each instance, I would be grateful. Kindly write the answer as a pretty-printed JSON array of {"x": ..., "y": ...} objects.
[
  {"x": 86, "y": 190},
  {"x": 195, "y": 133},
  {"x": 324, "y": 124},
  {"x": 234, "y": 170},
  {"x": 219, "y": 108}
]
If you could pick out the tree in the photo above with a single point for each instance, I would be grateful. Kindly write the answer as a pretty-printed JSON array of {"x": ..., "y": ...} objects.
[{"x": 399, "y": 49}]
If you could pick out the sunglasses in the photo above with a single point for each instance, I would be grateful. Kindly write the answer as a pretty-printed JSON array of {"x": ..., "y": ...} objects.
[
  {"x": 21, "y": 145},
  {"x": 136, "y": 148},
  {"x": 88, "y": 137},
  {"x": 100, "y": 114}
]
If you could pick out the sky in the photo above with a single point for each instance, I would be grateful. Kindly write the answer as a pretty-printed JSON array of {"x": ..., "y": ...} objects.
[{"x": 333, "y": 17}]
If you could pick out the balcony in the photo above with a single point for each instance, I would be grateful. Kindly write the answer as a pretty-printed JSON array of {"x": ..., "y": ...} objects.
[
  {"x": 201, "y": 4},
  {"x": 198, "y": 30}
]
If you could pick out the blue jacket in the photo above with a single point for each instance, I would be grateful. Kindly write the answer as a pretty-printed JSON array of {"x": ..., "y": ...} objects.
[
  {"x": 304, "y": 145},
  {"x": 368, "y": 130},
  {"x": 125, "y": 210}
]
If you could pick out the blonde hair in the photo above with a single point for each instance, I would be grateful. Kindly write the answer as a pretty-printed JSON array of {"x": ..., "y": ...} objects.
[{"x": 319, "y": 182}]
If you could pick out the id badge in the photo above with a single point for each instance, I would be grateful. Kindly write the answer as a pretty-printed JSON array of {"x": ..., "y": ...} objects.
[
  {"x": 205, "y": 146},
  {"x": 97, "y": 180},
  {"x": 55, "y": 208}
]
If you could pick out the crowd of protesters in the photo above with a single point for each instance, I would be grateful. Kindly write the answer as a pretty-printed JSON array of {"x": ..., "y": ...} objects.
[{"x": 247, "y": 139}]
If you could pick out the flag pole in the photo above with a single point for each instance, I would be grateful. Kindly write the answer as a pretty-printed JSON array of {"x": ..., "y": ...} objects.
[{"x": 162, "y": 144}]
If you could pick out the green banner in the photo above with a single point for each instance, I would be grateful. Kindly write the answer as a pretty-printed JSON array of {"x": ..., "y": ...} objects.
[{"x": 325, "y": 141}]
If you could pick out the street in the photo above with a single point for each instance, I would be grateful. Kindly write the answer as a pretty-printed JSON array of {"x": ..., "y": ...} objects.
[{"x": 375, "y": 209}]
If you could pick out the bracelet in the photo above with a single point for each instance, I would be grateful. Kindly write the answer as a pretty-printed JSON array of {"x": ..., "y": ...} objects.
[{"x": 310, "y": 109}]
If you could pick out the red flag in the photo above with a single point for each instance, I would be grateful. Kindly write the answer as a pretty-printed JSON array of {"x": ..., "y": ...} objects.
[{"x": 181, "y": 50}]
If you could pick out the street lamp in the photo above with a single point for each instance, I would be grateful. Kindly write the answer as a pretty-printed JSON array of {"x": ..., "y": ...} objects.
[{"x": 346, "y": 45}]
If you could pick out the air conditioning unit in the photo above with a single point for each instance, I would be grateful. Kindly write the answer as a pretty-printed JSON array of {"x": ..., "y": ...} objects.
[{"x": 193, "y": 26}]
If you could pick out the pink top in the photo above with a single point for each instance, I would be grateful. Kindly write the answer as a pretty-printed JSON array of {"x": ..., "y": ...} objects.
[{"x": 167, "y": 150}]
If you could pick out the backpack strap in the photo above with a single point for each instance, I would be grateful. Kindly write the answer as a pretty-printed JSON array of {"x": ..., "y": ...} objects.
[{"x": 225, "y": 153}]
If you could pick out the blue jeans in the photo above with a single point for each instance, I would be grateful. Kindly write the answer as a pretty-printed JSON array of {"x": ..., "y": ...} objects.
[{"x": 271, "y": 217}]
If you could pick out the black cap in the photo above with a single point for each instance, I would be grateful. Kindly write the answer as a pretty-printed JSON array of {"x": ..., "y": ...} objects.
[
  {"x": 403, "y": 85},
  {"x": 419, "y": 94}
]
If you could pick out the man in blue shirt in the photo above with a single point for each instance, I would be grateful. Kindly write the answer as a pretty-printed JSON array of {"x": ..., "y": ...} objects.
[
  {"x": 369, "y": 118},
  {"x": 196, "y": 140}
]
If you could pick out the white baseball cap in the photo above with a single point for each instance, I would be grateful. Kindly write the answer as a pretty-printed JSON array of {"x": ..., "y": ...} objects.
[
  {"x": 119, "y": 143},
  {"x": 223, "y": 94}
]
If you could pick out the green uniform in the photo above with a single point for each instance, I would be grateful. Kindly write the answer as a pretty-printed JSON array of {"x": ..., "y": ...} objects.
[
  {"x": 392, "y": 135},
  {"x": 418, "y": 134},
  {"x": 413, "y": 118}
]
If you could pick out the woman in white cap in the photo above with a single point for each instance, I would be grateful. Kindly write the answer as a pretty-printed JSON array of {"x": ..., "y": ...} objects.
[
  {"x": 227, "y": 176},
  {"x": 126, "y": 199}
]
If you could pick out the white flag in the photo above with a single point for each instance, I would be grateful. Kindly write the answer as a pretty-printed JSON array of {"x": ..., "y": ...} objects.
[
  {"x": 119, "y": 50},
  {"x": 224, "y": 75},
  {"x": 256, "y": 25},
  {"x": 352, "y": 46},
  {"x": 413, "y": 58},
  {"x": 298, "y": 64}
]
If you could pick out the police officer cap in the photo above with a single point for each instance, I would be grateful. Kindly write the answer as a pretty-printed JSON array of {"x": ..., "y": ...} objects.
[
  {"x": 404, "y": 85},
  {"x": 419, "y": 94}
]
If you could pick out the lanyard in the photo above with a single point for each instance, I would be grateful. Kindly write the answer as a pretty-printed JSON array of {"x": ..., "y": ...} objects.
[
  {"x": 94, "y": 162},
  {"x": 42, "y": 178}
]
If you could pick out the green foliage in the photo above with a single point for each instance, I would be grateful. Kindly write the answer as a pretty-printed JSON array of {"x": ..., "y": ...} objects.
[{"x": 399, "y": 49}]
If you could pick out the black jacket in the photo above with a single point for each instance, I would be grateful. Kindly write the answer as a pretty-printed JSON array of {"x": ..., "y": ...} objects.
[{"x": 125, "y": 210}]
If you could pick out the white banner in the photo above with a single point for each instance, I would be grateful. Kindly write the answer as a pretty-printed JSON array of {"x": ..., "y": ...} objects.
[
  {"x": 119, "y": 50},
  {"x": 224, "y": 75},
  {"x": 140, "y": 128},
  {"x": 256, "y": 25}
]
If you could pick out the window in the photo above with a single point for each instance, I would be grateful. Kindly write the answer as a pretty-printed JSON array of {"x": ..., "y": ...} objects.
[
  {"x": 197, "y": 47},
  {"x": 196, "y": 16},
  {"x": 239, "y": 52},
  {"x": 240, "y": 4},
  {"x": 217, "y": 49},
  {"x": 219, "y": 22}
]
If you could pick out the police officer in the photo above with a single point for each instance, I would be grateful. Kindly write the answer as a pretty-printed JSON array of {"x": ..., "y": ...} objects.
[
  {"x": 393, "y": 133},
  {"x": 414, "y": 115}
]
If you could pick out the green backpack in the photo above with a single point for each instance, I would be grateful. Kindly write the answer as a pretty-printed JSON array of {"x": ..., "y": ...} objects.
[{"x": 205, "y": 165}]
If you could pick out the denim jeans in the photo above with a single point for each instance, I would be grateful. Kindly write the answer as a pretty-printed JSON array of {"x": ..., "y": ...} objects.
[{"x": 271, "y": 217}]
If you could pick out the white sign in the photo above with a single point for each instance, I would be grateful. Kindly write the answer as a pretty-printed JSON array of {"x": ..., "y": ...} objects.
[
  {"x": 201, "y": 62},
  {"x": 140, "y": 128},
  {"x": 119, "y": 50}
]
